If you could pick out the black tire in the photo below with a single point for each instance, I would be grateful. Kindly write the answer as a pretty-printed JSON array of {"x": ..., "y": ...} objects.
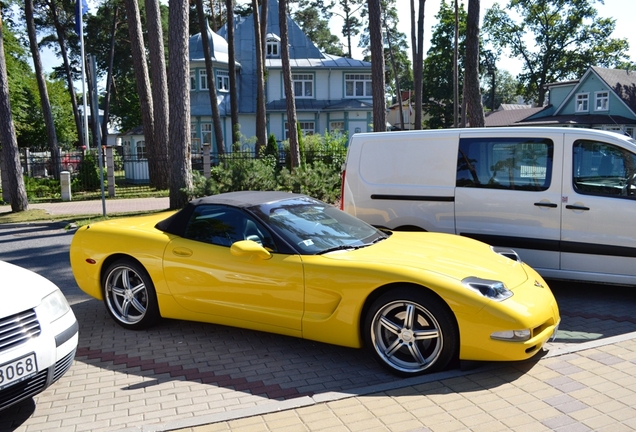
[
  {"x": 129, "y": 295},
  {"x": 410, "y": 331}
]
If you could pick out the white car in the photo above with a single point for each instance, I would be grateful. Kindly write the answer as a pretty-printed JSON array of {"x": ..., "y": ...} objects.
[{"x": 38, "y": 334}]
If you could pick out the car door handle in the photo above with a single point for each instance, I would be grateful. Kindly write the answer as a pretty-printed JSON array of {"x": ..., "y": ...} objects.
[
  {"x": 182, "y": 252},
  {"x": 576, "y": 207},
  {"x": 545, "y": 204}
]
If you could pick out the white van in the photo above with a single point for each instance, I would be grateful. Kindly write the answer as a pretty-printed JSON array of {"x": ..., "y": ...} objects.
[{"x": 563, "y": 198}]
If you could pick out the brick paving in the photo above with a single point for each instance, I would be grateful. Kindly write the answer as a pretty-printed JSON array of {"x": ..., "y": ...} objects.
[{"x": 200, "y": 377}]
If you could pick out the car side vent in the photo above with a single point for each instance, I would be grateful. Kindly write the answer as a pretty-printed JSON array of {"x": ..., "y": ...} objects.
[
  {"x": 507, "y": 252},
  {"x": 18, "y": 328}
]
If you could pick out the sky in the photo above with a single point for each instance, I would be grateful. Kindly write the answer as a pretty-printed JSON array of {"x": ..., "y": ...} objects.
[{"x": 623, "y": 11}]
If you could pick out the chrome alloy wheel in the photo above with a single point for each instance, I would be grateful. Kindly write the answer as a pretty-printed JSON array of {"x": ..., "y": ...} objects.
[
  {"x": 126, "y": 295},
  {"x": 406, "y": 336}
]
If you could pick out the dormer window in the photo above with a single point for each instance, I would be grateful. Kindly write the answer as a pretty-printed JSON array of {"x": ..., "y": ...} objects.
[
  {"x": 582, "y": 102},
  {"x": 273, "y": 45},
  {"x": 602, "y": 101}
]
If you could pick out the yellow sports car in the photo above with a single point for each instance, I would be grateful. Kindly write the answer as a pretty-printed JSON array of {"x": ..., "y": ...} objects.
[{"x": 289, "y": 264}]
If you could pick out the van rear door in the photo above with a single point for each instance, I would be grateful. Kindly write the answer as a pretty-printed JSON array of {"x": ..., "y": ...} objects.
[
  {"x": 508, "y": 192},
  {"x": 599, "y": 215}
]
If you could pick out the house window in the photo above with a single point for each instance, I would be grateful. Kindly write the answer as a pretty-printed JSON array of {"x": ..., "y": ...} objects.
[
  {"x": 141, "y": 150},
  {"x": 303, "y": 85},
  {"x": 336, "y": 126},
  {"x": 306, "y": 128},
  {"x": 193, "y": 80},
  {"x": 223, "y": 81},
  {"x": 272, "y": 45},
  {"x": 206, "y": 133},
  {"x": 582, "y": 102},
  {"x": 358, "y": 85},
  {"x": 602, "y": 101},
  {"x": 203, "y": 80}
]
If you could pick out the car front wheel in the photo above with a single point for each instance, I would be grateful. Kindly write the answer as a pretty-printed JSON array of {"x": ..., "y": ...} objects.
[
  {"x": 411, "y": 332},
  {"x": 129, "y": 295}
]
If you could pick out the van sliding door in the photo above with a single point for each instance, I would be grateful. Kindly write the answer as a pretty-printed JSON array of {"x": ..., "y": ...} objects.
[
  {"x": 599, "y": 215},
  {"x": 508, "y": 193}
]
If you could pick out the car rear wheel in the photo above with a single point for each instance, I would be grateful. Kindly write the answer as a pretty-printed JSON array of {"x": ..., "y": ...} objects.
[
  {"x": 129, "y": 295},
  {"x": 411, "y": 332}
]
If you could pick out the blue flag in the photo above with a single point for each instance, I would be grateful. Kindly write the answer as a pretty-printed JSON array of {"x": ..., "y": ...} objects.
[{"x": 83, "y": 6}]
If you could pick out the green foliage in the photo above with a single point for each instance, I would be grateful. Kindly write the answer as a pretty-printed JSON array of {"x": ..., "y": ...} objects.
[
  {"x": 238, "y": 171},
  {"x": 317, "y": 30},
  {"x": 556, "y": 40},
  {"x": 87, "y": 173},
  {"x": 437, "y": 88},
  {"x": 318, "y": 177},
  {"x": 42, "y": 188},
  {"x": 272, "y": 146},
  {"x": 318, "y": 180}
]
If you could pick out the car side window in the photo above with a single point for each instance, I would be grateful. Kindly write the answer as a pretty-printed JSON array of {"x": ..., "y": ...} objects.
[
  {"x": 603, "y": 169},
  {"x": 505, "y": 163},
  {"x": 222, "y": 225}
]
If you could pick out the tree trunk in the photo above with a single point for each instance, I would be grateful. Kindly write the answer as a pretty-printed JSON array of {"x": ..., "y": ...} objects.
[
  {"x": 398, "y": 91},
  {"x": 47, "y": 113},
  {"x": 418, "y": 60},
  {"x": 109, "y": 76},
  {"x": 158, "y": 166},
  {"x": 261, "y": 114},
  {"x": 179, "y": 99},
  {"x": 471, "y": 79},
  {"x": 292, "y": 131},
  {"x": 61, "y": 37},
  {"x": 377, "y": 65},
  {"x": 10, "y": 160},
  {"x": 142, "y": 79},
  {"x": 236, "y": 127},
  {"x": 456, "y": 69},
  {"x": 214, "y": 103}
]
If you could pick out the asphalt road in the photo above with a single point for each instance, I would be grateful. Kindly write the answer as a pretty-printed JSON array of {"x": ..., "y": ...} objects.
[{"x": 42, "y": 248}]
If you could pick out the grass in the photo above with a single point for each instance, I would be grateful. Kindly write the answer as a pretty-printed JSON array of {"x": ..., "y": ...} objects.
[{"x": 38, "y": 215}]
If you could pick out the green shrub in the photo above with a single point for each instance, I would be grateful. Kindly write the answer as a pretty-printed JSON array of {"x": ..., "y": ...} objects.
[{"x": 88, "y": 173}]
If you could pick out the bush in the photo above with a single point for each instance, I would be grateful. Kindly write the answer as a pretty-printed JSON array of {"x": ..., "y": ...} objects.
[
  {"x": 319, "y": 176},
  {"x": 88, "y": 173},
  {"x": 41, "y": 188}
]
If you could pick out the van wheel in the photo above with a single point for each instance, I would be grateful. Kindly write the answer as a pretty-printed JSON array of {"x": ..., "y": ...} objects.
[{"x": 411, "y": 332}]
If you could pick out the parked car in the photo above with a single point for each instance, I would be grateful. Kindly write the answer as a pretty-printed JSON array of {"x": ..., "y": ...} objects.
[
  {"x": 289, "y": 264},
  {"x": 563, "y": 198},
  {"x": 71, "y": 162},
  {"x": 38, "y": 334}
]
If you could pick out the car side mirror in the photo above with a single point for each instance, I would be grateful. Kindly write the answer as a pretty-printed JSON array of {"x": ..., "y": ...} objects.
[{"x": 249, "y": 247}]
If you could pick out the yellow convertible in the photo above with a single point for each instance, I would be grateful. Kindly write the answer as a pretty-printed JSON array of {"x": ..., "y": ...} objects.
[{"x": 289, "y": 264}]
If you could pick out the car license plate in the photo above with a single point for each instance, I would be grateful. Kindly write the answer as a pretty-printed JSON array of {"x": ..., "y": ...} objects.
[{"x": 17, "y": 370}]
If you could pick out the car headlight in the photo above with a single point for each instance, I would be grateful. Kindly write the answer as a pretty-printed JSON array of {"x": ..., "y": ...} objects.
[
  {"x": 512, "y": 335},
  {"x": 54, "y": 305},
  {"x": 491, "y": 289}
]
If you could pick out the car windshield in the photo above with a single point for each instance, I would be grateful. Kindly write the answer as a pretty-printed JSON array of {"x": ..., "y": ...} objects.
[{"x": 315, "y": 227}]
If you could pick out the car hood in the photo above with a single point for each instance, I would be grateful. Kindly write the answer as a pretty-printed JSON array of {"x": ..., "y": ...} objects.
[
  {"x": 21, "y": 289},
  {"x": 452, "y": 255}
]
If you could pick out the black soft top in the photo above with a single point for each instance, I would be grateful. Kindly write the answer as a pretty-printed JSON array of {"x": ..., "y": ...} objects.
[{"x": 177, "y": 223}]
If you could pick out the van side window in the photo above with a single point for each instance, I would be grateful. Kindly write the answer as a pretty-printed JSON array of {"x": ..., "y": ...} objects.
[
  {"x": 603, "y": 169},
  {"x": 505, "y": 163}
]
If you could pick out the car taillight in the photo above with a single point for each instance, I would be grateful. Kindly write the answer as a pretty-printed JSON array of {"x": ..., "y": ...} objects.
[{"x": 342, "y": 188}]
